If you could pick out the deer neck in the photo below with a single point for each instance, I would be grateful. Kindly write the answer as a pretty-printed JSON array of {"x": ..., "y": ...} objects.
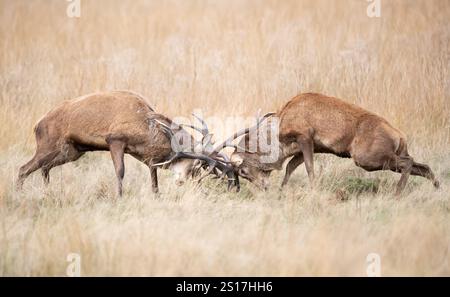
[
  {"x": 283, "y": 153},
  {"x": 286, "y": 151}
]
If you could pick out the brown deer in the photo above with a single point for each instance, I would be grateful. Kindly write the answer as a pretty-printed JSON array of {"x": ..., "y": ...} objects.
[
  {"x": 123, "y": 123},
  {"x": 314, "y": 123}
]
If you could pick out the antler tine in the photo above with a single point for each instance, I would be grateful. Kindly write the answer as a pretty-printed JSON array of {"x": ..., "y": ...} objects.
[
  {"x": 169, "y": 133},
  {"x": 207, "y": 136},
  {"x": 193, "y": 127},
  {"x": 207, "y": 140},
  {"x": 224, "y": 157},
  {"x": 165, "y": 127},
  {"x": 166, "y": 162},
  {"x": 258, "y": 113},
  {"x": 237, "y": 147},
  {"x": 205, "y": 130},
  {"x": 228, "y": 142}
]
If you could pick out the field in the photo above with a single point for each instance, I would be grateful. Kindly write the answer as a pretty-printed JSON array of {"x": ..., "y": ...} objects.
[{"x": 227, "y": 59}]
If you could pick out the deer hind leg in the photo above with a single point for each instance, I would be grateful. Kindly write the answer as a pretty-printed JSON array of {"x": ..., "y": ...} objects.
[
  {"x": 425, "y": 171},
  {"x": 68, "y": 154},
  {"x": 117, "y": 150},
  {"x": 296, "y": 161},
  {"x": 40, "y": 159},
  {"x": 404, "y": 165},
  {"x": 46, "y": 175}
]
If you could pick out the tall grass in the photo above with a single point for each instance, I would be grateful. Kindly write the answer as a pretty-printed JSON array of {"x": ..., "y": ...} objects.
[{"x": 226, "y": 58}]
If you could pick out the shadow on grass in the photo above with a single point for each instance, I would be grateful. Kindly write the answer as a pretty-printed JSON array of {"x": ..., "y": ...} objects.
[
  {"x": 354, "y": 186},
  {"x": 212, "y": 186}
]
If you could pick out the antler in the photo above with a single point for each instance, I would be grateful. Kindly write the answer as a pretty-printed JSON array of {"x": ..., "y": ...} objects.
[
  {"x": 214, "y": 159},
  {"x": 213, "y": 163},
  {"x": 204, "y": 129},
  {"x": 228, "y": 142},
  {"x": 207, "y": 136},
  {"x": 169, "y": 133},
  {"x": 226, "y": 169}
]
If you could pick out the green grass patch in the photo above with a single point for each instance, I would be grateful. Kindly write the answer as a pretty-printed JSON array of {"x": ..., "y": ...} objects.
[
  {"x": 355, "y": 186},
  {"x": 360, "y": 185}
]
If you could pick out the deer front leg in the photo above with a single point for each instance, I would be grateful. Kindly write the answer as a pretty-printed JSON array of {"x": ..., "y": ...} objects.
[
  {"x": 307, "y": 147},
  {"x": 296, "y": 161},
  {"x": 117, "y": 149},
  {"x": 154, "y": 178}
]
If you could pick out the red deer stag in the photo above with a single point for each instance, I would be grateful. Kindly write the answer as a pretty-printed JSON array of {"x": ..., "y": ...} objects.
[
  {"x": 123, "y": 123},
  {"x": 313, "y": 123}
]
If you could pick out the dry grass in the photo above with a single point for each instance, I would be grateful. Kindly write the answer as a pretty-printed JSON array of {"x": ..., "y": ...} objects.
[{"x": 216, "y": 55}]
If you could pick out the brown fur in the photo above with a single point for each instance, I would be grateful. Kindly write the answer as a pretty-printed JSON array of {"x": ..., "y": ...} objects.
[
  {"x": 117, "y": 121},
  {"x": 314, "y": 123}
]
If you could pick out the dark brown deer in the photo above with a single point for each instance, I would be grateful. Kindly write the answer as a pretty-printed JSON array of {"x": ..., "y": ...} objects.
[
  {"x": 314, "y": 123},
  {"x": 123, "y": 123}
]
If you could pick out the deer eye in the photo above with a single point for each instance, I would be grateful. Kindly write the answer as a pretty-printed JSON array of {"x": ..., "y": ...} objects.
[
  {"x": 243, "y": 171},
  {"x": 266, "y": 172}
]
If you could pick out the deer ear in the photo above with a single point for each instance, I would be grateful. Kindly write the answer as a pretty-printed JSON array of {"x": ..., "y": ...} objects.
[{"x": 236, "y": 160}]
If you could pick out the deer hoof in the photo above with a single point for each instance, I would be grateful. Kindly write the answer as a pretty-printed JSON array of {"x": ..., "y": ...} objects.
[{"x": 436, "y": 184}]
